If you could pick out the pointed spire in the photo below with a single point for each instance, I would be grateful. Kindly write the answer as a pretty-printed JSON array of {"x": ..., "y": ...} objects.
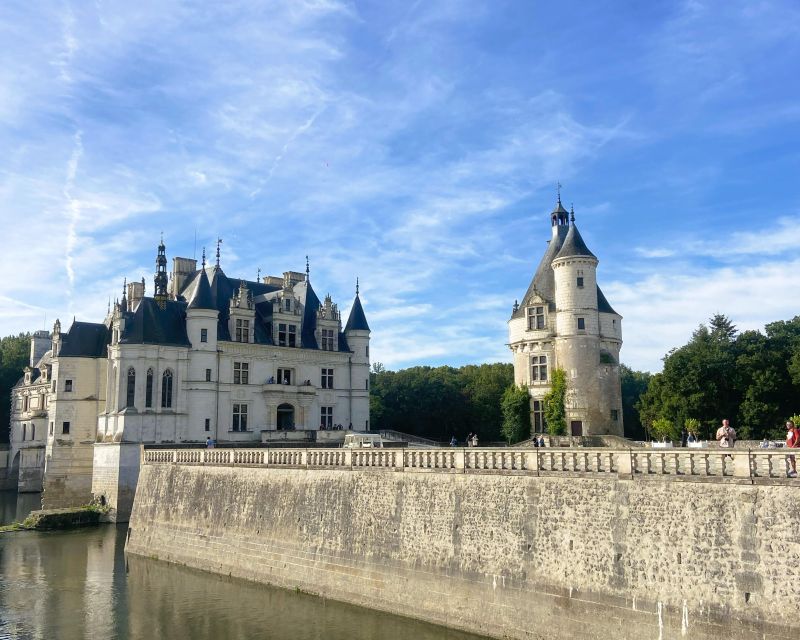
[
  {"x": 160, "y": 280},
  {"x": 108, "y": 310},
  {"x": 357, "y": 320},
  {"x": 143, "y": 286},
  {"x": 219, "y": 242},
  {"x": 202, "y": 299},
  {"x": 124, "y": 294}
]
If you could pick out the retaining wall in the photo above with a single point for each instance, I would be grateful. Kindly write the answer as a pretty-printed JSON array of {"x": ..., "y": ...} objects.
[{"x": 504, "y": 552}]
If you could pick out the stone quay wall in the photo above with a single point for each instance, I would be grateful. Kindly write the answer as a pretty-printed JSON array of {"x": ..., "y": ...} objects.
[{"x": 509, "y": 543}]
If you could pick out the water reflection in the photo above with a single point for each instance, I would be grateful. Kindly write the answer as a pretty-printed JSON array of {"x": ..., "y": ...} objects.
[
  {"x": 74, "y": 585},
  {"x": 15, "y": 507}
]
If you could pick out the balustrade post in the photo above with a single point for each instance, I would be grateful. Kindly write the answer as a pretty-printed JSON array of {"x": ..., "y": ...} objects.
[
  {"x": 624, "y": 463},
  {"x": 458, "y": 460},
  {"x": 741, "y": 464}
]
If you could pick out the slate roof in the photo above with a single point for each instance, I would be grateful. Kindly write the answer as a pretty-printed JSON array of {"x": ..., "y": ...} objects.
[
  {"x": 150, "y": 324},
  {"x": 85, "y": 340},
  {"x": 574, "y": 245},
  {"x": 357, "y": 321},
  {"x": 602, "y": 304},
  {"x": 544, "y": 281},
  {"x": 202, "y": 298}
]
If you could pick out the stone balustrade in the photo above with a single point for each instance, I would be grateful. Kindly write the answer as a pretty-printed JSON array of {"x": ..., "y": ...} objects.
[{"x": 749, "y": 466}]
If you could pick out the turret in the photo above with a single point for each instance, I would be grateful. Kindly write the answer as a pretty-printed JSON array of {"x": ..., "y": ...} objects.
[
  {"x": 575, "y": 270},
  {"x": 357, "y": 331},
  {"x": 202, "y": 315}
]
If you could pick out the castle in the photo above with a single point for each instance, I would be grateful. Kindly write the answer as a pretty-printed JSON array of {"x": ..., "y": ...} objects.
[
  {"x": 564, "y": 321},
  {"x": 206, "y": 357}
]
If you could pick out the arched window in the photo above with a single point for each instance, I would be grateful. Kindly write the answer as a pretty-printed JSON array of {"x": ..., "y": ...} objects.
[
  {"x": 166, "y": 390},
  {"x": 130, "y": 397},
  {"x": 148, "y": 390}
]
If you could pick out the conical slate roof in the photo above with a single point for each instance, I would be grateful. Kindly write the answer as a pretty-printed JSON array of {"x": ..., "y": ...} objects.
[
  {"x": 357, "y": 320},
  {"x": 574, "y": 245},
  {"x": 202, "y": 298}
]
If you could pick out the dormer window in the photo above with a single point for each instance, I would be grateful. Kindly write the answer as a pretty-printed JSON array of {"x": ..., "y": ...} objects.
[
  {"x": 242, "y": 330},
  {"x": 536, "y": 318},
  {"x": 327, "y": 340},
  {"x": 287, "y": 304}
]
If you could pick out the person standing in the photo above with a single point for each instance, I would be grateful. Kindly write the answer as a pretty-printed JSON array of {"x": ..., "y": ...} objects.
[
  {"x": 469, "y": 439},
  {"x": 726, "y": 435},
  {"x": 792, "y": 442},
  {"x": 684, "y": 437},
  {"x": 475, "y": 440}
]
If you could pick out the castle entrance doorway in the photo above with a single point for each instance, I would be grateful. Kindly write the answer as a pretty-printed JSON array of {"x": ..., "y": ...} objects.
[
  {"x": 577, "y": 427},
  {"x": 285, "y": 417}
]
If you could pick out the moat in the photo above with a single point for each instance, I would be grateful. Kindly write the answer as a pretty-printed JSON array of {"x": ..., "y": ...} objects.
[{"x": 79, "y": 585}]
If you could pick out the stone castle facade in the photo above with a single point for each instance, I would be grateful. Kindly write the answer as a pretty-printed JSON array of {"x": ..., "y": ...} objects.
[
  {"x": 207, "y": 356},
  {"x": 564, "y": 321}
]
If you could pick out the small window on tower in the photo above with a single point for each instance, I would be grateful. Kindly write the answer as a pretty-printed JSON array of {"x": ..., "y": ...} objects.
[
  {"x": 581, "y": 324},
  {"x": 203, "y": 335},
  {"x": 535, "y": 318},
  {"x": 614, "y": 415},
  {"x": 208, "y": 375},
  {"x": 208, "y": 424},
  {"x": 67, "y": 385},
  {"x": 580, "y": 282}
]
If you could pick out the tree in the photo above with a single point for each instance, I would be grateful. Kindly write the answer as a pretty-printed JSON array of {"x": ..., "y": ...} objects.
[
  {"x": 664, "y": 428},
  {"x": 14, "y": 356},
  {"x": 516, "y": 407},
  {"x": 634, "y": 384},
  {"x": 553, "y": 402}
]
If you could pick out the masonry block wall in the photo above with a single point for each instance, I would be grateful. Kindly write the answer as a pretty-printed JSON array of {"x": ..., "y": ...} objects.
[{"x": 502, "y": 555}]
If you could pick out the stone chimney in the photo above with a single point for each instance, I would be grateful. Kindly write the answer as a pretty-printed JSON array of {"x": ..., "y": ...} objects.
[
  {"x": 40, "y": 344},
  {"x": 182, "y": 268}
]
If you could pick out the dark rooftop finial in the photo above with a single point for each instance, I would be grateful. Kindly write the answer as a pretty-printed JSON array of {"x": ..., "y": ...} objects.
[
  {"x": 308, "y": 271},
  {"x": 558, "y": 191},
  {"x": 356, "y": 285},
  {"x": 219, "y": 242},
  {"x": 258, "y": 276},
  {"x": 204, "y": 258},
  {"x": 124, "y": 286},
  {"x": 571, "y": 213}
]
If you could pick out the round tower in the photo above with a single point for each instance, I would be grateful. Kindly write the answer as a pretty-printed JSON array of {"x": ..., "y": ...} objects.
[{"x": 590, "y": 405}]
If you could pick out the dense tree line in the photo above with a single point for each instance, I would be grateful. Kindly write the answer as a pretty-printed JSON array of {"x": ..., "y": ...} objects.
[
  {"x": 14, "y": 355},
  {"x": 441, "y": 402},
  {"x": 751, "y": 378}
]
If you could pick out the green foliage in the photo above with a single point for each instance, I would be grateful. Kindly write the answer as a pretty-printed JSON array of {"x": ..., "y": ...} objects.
[
  {"x": 553, "y": 404},
  {"x": 692, "y": 424},
  {"x": 14, "y": 356},
  {"x": 664, "y": 428},
  {"x": 634, "y": 384},
  {"x": 440, "y": 402},
  {"x": 751, "y": 378},
  {"x": 516, "y": 407}
]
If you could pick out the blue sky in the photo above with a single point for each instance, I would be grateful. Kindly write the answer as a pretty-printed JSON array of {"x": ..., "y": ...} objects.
[{"x": 415, "y": 145}]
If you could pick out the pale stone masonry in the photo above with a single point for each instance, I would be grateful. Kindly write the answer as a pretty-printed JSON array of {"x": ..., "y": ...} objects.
[
  {"x": 207, "y": 356},
  {"x": 520, "y": 544},
  {"x": 564, "y": 321}
]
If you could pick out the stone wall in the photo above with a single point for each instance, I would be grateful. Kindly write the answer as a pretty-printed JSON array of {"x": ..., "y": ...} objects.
[
  {"x": 116, "y": 472},
  {"x": 499, "y": 553}
]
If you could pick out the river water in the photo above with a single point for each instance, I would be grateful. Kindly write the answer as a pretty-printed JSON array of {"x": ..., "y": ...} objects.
[{"x": 79, "y": 585}]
